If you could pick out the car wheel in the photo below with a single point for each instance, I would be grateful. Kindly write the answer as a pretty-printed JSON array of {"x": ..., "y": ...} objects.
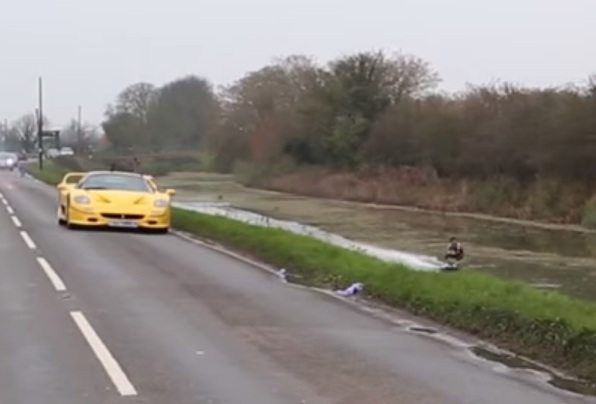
[
  {"x": 67, "y": 216},
  {"x": 61, "y": 216}
]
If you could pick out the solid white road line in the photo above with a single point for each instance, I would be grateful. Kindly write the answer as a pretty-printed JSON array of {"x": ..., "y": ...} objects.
[
  {"x": 51, "y": 274},
  {"x": 16, "y": 221},
  {"x": 10, "y": 210},
  {"x": 112, "y": 368},
  {"x": 28, "y": 240}
]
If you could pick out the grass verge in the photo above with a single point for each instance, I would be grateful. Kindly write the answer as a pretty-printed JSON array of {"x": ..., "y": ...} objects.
[
  {"x": 52, "y": 172},
  {"x": 542, "y": 325}
]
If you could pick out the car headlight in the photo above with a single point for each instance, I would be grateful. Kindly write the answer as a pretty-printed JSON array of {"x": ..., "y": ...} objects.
[
  {"x": 161, "y": 203},
  {"x": 81, "y": 200},
  {"x": 10, "y": 162}
]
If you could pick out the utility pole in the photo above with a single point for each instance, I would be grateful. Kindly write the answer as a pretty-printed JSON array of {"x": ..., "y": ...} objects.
[
  {"x": 79, "y": 133},
  {"x": 3, "y": 134},
  {"x": 40, "y": 126}
]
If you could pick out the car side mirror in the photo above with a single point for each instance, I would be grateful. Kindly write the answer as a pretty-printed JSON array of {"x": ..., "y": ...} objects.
[
  {"x": 171, "y": 192},
  {"x": 61, "y": 187}
]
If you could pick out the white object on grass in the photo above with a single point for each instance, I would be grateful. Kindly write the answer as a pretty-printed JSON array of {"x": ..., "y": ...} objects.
[{"x": 352, "y": 290}]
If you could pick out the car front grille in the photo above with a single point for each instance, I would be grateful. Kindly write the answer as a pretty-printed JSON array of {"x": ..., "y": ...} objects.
[{"x": 124, "y": 216}]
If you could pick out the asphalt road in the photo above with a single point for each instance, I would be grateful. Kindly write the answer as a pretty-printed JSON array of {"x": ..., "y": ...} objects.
[{"x": 104, "y": 317}]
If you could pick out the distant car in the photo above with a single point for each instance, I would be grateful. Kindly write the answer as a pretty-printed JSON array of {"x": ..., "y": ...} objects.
[
  {"x": 8, "y": 161},
  {"x": 67, "y": 151},
  {"x": 113, "y": 199},
  {"x": 52, "y": 153}
]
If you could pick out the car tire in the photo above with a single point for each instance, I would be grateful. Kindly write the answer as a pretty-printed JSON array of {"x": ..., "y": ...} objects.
[
  {"x": 67, "y": 216},
  {"x": 61, "y": 221}
]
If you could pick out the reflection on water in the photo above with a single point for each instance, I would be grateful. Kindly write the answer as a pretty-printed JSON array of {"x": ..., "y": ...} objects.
[{"x": 552, "y": 258}]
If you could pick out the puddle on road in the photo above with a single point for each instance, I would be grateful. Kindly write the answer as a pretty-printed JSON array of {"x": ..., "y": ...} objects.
[
  {"x": 494, "y": 355},
  {"x": 515, "y": 362},
  {"x": 538, "y": 373},
  {"x": 423, "y": 330}
]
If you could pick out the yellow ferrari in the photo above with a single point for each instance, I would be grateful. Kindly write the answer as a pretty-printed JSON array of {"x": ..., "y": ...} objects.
[{"x": 113, "y": 199}]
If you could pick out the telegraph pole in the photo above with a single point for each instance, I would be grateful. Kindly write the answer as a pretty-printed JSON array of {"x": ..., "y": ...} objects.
[
  {"x": 79, "y": 133},
  {"x": 40, "y": 126},
  {"x": 3, "y": 135}
]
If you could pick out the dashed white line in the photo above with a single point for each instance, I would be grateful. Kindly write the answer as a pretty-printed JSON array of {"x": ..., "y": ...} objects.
[
  {"x": 28, "y": 240},
  {"x": 16, "y": 221},
  {"x": 4, "y": 202},
  {"x": 112, "y": 368},
  {"x": 10, "y": 210},
  {"x": 51, "y": 274}
]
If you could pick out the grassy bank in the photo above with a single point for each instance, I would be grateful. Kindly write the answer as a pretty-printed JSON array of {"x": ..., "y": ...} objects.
[
  {"x": 543, "y": 325},
  {"x": 52, "y": 172}
]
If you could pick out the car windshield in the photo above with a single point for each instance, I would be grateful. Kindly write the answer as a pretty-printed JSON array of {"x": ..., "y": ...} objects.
[{"x": 115, "y": 182}]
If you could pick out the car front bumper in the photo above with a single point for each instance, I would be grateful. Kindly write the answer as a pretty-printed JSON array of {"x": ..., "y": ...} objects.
[{"x": 158, "y": 220}]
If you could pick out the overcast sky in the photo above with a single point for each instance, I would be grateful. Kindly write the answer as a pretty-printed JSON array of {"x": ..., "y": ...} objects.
[{"x": 88, "y": 50}]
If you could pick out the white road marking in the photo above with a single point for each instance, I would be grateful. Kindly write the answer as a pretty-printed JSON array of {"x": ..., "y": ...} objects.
[
  {"x": 51, "y": 274},
  {"x": 28, "y": 240},
  {"x": 4, "y": 202},
  {"x": 16, "y": 221},
  {"x": 112, "y": 368},
  {"x": 10, "y": 210}
]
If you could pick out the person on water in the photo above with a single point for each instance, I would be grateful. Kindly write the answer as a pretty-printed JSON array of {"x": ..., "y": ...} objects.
[{"x": 455, "y": 252}]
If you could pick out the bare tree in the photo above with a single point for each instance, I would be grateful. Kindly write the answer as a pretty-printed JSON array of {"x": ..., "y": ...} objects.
[
  {"x": 126, "y": 121},
  {"x": 78, "y": 138},
  {"x": 182, "y": 114},
  {"x": 135, "y": 100},
  {"x": 11, "y": 140},
  {"x": 26, "y": 129}
]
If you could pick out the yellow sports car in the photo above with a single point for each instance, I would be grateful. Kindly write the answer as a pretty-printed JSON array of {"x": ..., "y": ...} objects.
[{"x": 113, "y": 199}]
